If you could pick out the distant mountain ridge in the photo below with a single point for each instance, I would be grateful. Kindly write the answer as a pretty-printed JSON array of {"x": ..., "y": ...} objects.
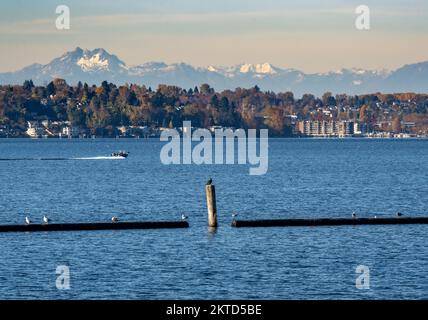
[{"x": 95, "y": 66}]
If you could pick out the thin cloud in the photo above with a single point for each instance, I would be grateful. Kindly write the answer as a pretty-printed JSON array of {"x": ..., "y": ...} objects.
[{"x": 304, "y": 19}]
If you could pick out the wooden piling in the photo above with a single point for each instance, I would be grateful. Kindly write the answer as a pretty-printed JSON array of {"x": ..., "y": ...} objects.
[{"x": 211, "y": 205}]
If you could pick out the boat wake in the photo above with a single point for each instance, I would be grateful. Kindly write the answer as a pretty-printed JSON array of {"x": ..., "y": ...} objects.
[
  {"x": 99, "y": 158},
  {"x": 62, "y": 159}
]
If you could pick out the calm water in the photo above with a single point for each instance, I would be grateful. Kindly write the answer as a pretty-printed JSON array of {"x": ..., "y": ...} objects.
[{"x": 306, "y": 178}]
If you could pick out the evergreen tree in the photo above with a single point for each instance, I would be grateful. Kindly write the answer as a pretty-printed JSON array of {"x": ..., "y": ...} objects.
[
  {"x": 28, "y": 85},
  {"x": 50, "y": 89}
]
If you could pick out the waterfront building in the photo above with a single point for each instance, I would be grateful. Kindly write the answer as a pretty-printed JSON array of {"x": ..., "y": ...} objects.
[
  {"x": 330, "y": 128},
  {"x": 71, "y": 131},
  {"x": 34, "y": 130}
]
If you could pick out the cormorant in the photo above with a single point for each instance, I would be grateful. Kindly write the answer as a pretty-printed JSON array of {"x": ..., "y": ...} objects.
[{"x": 209, "y": 182}]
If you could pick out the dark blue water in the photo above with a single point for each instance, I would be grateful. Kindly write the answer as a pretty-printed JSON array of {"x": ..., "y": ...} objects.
[{"x": 306, "y": 178}]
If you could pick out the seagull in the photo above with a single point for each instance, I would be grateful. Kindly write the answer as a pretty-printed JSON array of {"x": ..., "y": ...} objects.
[
  {"x": 46, "y": 219},
  {"x": 354, "y": 215},
  {"x": 234, "y": 215},
  {"x": 375, "y": 217},
  {"x": 27, "y": 220},
  {"x": 209, "y": 182},
  {"x": 184, "y": 217},
  {"x": 399, "y": 214},
  {"x": 114, "y": 219}
]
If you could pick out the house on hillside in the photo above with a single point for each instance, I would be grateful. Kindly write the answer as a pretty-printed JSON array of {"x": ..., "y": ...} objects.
[{"x": 34, "y": 129}]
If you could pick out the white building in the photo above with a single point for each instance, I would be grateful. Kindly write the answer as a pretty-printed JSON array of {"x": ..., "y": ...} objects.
[
  {"x": 71, "y": 131},
  {"x": 34, "y": 129},
  {"x": 357, "y": 128}
]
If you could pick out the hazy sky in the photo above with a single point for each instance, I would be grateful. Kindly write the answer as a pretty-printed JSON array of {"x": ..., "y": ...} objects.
[{"x": 313, "y": 36}]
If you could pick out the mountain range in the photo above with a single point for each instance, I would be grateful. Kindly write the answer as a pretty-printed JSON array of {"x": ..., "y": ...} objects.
[{"x": 95, "y": 66}]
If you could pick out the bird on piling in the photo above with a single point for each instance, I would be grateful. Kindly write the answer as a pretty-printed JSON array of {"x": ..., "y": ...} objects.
[
  {"x": 234, "y": 215},
  {"x": 354, "y": 215},
  {"x": 114, "y": 219},
  {"x": 46, "y": 219},
  {"x": 399, "y": 214},
  {"x": 27, "y": 220},
  {"x": 184, "y": 217},
  {"x": 209, "y": 182}
]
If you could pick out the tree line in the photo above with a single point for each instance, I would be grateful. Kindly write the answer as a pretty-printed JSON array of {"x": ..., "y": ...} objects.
[{"x": 109, "y": 106}]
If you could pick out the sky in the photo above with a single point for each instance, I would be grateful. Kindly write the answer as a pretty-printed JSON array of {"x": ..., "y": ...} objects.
[{"x": 309, "y": 35}]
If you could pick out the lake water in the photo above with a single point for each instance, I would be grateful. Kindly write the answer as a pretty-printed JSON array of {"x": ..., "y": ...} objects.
[{"x": 306, "y": 178}]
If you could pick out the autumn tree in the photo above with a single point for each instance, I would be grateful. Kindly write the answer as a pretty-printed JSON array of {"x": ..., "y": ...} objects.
[
  {"x": 274, "y": 119},
  {"x": 396, "y": 124}
]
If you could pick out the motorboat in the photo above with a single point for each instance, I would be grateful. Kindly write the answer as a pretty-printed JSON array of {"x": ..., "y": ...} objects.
[{"x": 120, "y": 154}]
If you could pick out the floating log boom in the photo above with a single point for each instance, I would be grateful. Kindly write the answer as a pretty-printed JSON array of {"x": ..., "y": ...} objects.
[
  {"x": 94, "y": 226},
  {"x": 328, "y": 222}
]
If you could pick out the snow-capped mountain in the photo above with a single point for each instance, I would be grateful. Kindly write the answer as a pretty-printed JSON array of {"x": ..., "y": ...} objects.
[
  {"x": 247, "y": 68},
  {"x": 86, "y": 61},
  {"x": 78, "y": 65},
  {"x": 95, "y": 66}
]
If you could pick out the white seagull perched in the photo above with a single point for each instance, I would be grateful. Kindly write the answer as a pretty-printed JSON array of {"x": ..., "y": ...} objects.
[
  {"x": 184, "y": 217},
  {"x": 46, "y": 219},
  {"x": 354, "y": 215},
  {"x": 234, "y": 215},
  {"x": 27, "y": 220},
  {"x": 115, "y": 219}
]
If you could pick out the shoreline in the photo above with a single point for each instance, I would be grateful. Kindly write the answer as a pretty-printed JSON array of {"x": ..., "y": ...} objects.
[{"x": 157, "y": 138}]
